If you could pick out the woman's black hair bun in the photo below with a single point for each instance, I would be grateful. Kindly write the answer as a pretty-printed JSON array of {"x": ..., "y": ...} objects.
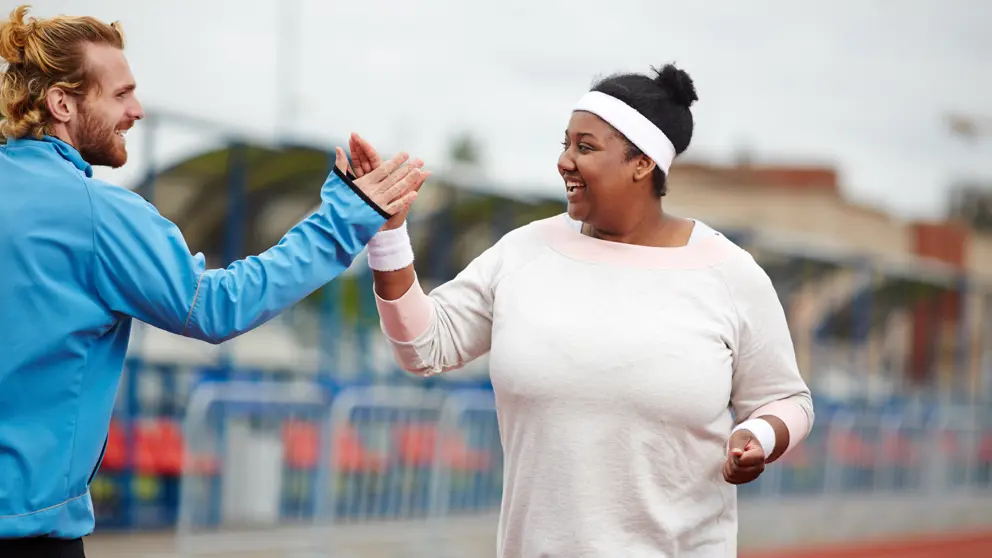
[{"x": 677, "y": 84}]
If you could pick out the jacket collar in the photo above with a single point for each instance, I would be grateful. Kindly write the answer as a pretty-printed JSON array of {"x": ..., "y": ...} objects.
[{"x": 66, "y": 151}]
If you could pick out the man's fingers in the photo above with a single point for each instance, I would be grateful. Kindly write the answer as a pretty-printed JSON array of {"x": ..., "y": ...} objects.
[
  {"x": 400, "y": 192},
  {"x": 401, "y": 180},
  {"x": 380, "y": 173},
  {"x": 392, "y": 180},
  {"x": 409, "y": 182},
  {"x": 402, "y": 204},
  {"x": 391, "y": 185}
]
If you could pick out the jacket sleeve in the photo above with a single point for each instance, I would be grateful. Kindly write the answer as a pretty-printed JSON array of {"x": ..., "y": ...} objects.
[{"x": 144, "y": 269}]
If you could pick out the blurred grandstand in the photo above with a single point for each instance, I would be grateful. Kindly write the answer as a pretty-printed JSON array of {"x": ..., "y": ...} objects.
[{"x": 303, "y": 434}]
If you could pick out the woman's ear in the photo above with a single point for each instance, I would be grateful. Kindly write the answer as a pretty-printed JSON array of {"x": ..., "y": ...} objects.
[{"x": 643, "y": 167}]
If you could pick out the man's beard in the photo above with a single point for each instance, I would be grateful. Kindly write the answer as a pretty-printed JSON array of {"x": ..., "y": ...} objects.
[{"x": 96, "y": 142}]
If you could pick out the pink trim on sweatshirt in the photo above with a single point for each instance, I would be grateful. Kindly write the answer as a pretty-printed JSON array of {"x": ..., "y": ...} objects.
[
  {"x": 792, "y": 415},
  {"x": 704, "y": 252},
  {"x": 407, "y": 317}
]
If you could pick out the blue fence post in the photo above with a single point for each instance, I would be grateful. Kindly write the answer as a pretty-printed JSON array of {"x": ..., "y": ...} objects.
[
  {"x": 861, "y": 318},
  {"x": 963, "y": 345}
]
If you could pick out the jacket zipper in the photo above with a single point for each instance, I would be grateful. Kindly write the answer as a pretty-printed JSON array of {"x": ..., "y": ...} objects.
[{"x": 98, "y": 461}]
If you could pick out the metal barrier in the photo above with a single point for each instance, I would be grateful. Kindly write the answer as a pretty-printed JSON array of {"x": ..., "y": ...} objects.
[
  {"x": 467, "y": 475},
  {"x": 423, "y": 461},
  {"x": 379, "y": 469},
  {"x": 409, "y": 471},
  {"x": 384, "y": 467},
  {"x": 237, "y": 483},
  {"x": 468, "y": 445},
  {"x": 895, "y": 453}
]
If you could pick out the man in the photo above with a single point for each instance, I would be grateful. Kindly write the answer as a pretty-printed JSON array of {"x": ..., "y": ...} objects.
[{"x": 79, "y": 259}]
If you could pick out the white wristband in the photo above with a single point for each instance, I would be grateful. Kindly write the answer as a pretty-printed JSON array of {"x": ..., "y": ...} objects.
[
  {"x": 762, "y": 431},
  {"x": 390, "y": 250}
]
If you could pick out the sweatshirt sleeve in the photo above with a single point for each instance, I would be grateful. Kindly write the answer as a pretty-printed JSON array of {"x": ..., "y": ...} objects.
[
  {"x": 766, "y": 378},
  {"x": 450, "y": 327},
  {"x": 144, "y": 269}
]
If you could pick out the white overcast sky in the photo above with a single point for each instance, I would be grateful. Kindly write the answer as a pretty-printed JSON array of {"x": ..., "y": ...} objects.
[{"x": 861, "y": 84}]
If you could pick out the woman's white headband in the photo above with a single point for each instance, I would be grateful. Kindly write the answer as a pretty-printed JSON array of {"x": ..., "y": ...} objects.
[{"x": 632, "y": 124}]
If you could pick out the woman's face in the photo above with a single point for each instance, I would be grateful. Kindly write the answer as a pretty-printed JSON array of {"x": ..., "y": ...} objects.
[{"x": 603, "y": 188}]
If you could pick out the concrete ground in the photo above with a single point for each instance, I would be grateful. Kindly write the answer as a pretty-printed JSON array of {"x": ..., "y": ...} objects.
[{"x": 870, "y": 526}]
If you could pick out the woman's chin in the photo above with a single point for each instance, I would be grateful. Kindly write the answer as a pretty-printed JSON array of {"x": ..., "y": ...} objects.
[{"x": 577, "y": 211}]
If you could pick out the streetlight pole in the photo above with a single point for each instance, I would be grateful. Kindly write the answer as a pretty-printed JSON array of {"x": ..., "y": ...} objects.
[{"x": 287, "y": 67}]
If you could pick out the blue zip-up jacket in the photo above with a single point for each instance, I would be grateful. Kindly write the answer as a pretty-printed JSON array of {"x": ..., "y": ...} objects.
[{"x": 79, "y": 258}]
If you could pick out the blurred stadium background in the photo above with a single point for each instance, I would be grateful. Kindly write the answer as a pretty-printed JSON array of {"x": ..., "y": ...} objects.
[
  {"x": 303, "y": 435},
  {"x": 302, "y": 438}
]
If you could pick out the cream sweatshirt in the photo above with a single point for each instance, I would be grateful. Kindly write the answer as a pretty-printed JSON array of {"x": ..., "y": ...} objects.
[{"x": 615, "y": 369}]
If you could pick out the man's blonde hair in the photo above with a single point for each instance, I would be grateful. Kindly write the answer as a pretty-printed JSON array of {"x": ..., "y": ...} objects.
[{"x": 41, "y": 54}]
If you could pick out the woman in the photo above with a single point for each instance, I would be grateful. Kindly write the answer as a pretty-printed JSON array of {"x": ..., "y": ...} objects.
[{"x": 621, "y": 340}]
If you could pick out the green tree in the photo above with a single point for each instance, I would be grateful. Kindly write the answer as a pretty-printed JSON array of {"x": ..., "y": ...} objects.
[{"x": 465, "y": 149}]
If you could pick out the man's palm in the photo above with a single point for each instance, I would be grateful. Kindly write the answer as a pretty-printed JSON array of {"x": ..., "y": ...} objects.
[{"x": 364, "y": 160}]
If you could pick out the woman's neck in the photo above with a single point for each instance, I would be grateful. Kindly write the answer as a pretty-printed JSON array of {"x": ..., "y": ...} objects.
[{"x": 657, "y": 229}]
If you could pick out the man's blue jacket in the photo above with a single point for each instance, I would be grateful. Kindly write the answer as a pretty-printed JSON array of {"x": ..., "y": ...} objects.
[{"x": 79, "y": 259}]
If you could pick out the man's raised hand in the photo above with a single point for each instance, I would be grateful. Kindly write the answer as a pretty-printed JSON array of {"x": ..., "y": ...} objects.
[
  {"x": 365, "y": 159},
  {"x": 392, "y": 185}
]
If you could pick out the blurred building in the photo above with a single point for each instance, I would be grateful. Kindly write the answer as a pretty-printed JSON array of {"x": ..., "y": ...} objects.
[{"x": 921, "y": 287}]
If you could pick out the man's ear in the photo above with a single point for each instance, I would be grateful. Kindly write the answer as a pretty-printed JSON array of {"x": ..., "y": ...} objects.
[
  {"x": 61, "y": 105},
  {"x": 643, "y": 167}
]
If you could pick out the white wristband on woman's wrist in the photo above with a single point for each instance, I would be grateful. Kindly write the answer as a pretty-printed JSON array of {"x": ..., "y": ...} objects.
[
  {"x": 763, "y": 432},
  {"x": 390, "y": 250}
]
